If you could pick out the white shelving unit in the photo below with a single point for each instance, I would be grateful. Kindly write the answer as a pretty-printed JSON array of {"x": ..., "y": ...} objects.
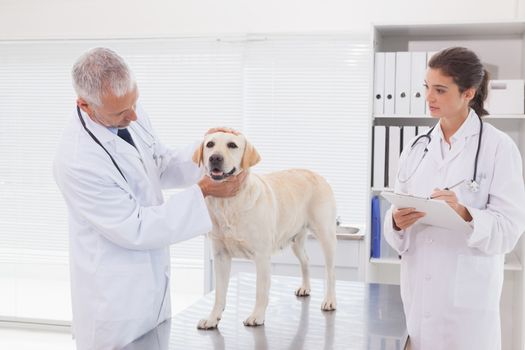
[{"x": 501, "y": 47}]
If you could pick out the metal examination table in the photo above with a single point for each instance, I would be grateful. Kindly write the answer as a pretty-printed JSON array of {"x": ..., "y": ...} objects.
[{"x": 368, "y": 316}]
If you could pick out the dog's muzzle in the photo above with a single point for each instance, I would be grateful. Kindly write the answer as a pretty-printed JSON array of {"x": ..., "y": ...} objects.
[
  {"x": 217, "y": 174},
  {"x": 216, "y": 162}
]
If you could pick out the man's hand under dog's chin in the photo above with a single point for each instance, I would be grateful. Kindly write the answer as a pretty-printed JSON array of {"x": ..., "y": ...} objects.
[{"x": 228, "y": 187}]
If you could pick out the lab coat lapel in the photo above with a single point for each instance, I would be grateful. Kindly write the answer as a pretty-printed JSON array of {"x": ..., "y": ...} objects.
[
  {"x": 99, "y": 131},
  {"x": 108, "y": 139},
  {"x": 116, "y": 146},
  {"x": 469, "y": 129},
  {"x": 457, "y": 148},
  {"x": 127, "y": 151},
  {"x": 124, "y": 148},
  {"x": 144, "y": 150},
  {"x": 434, "y": 151}
]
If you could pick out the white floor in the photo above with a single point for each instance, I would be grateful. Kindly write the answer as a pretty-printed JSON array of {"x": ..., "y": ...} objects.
[
  {"x": 28, "y": 339},
  {"x": 187, "y": 288},
  {"x": 23, "y": 339}
]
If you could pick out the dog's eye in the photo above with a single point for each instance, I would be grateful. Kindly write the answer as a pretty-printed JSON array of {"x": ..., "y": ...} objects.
[
  {"x": 210, "y": 144},
  {"x": 232, "y": 145}
]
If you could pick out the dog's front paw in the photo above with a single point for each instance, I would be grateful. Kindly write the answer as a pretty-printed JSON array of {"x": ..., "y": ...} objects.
[
  {"x": 302, "y": 292},
  {"x": 328, "y": 304},
  {"x": 254, "y": 320},
  {"x": 210, "y": 323}
]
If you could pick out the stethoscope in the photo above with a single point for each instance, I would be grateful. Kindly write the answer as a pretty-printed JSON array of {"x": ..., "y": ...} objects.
[
  {"x": 472, "y": 184},
  {"x": 150, "y": 144}
]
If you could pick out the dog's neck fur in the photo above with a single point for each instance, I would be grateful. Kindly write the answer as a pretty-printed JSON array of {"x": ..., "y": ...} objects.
[
  {"x": 227, "y": 214},
  {"x": 241, "y": 196}
]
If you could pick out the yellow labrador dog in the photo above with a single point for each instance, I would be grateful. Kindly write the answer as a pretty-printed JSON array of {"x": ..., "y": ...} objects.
[{"x": 269, "y": 213}]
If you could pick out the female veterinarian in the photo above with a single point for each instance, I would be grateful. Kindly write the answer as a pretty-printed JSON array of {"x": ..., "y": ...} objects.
[{"x": 451, "y": 281}]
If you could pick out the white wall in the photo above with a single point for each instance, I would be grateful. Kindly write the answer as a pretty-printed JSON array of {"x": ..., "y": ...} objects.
[{"x": 37, "y": 19}]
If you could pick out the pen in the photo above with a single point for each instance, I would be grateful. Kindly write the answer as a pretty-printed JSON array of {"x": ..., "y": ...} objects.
[{"x": 451, "y": 187}]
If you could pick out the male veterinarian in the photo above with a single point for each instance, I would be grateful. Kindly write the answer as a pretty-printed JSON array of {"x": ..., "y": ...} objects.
[{"x": 111, "y": 169}]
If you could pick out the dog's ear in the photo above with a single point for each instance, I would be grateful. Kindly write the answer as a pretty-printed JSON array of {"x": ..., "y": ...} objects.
[
  {"x": 198, "y": 154},
  {"x": 250, "y": 156}
]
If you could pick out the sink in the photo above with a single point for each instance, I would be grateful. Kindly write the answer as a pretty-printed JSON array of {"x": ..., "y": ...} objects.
[
  {"x": 347, "y": 230},
  {"x": 345, "y": 233}
]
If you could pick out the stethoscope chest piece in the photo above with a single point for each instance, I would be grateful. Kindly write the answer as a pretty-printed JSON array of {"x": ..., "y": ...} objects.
[{"x": 473, "y": 186}]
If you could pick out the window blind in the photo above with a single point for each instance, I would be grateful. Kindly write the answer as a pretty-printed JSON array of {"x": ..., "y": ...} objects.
[
  {"x": 301, "y": 100},
  {"x": 306, "y": 106}
]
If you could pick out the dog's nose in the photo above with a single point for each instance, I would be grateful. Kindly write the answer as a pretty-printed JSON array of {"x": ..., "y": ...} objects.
[{"x": 216, "y": 159}]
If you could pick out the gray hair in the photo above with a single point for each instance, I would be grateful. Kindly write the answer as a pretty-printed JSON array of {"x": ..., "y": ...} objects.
[{"x": 100, "y": 71}]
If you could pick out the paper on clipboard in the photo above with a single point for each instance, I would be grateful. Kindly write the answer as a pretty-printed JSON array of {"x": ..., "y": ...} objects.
[{"x": 438, "y": 212}]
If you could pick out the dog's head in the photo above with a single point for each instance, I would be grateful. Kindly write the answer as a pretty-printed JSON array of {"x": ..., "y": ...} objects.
[{"x": 225, "y": 154}]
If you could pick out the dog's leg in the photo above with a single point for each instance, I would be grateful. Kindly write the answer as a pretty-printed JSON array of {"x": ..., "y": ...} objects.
[
  {"x": 222, "y": 266},
  {"x": 263, "y": 268},
  {"x": 300, "y": 253},
  {"x": 328, "y": 242}
]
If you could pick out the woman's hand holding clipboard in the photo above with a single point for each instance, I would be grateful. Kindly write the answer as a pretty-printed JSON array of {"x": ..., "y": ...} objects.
[{"x": 437, "y": 212}]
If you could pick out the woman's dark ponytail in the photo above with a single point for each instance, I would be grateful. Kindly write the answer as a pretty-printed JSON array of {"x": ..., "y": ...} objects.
[{"x": 481, "y": 95}]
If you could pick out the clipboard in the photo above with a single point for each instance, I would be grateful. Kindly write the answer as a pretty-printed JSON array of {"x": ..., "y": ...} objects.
[{"x": 438, "y": 212}]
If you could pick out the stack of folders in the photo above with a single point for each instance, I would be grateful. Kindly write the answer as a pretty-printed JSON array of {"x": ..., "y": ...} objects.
[
  {"x": 379, "y": 247},
  {"x": 399, "y": 83},
  {"x": 388, "y": 143}
]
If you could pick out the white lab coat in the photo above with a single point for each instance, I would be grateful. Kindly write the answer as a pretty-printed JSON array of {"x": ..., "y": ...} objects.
[
  {"x": 120, "y": 231},
  {"x": 451, "y": 282}
]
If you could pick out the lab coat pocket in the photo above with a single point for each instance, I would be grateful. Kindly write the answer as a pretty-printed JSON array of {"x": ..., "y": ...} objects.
[
  {"x": 478, "y": 282},
  {"x": 125, "y": 292}
]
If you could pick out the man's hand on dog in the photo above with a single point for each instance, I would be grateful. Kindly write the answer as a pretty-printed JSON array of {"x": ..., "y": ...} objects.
[
  {"x": 227, "y": 188},
  {"x": 223, "y": 129}
]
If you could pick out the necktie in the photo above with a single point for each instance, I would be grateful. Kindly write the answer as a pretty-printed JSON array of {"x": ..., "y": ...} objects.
[{"x": 126, "y": 136}]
